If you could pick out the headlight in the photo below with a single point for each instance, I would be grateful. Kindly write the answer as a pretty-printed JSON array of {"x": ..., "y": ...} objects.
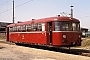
[{"x": 64, "y": 36}]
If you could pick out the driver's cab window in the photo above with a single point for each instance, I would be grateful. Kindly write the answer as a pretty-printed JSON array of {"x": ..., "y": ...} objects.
[
  {"x": 74, "y": 26},
  {"x": 57, "y": 26},
  {"x": 65, "y": 26}
]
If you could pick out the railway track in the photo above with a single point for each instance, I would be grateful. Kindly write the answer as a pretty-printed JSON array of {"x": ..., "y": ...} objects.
[{"x": 74, "y": 51}]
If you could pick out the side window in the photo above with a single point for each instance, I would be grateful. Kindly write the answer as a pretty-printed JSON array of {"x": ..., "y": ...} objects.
[
  {"x": 18, "y": 28},
  {"x": 14, "y": 29},
  {"x": 11, "y": 29},
  {"x": 23, "y": 28},
  {"x": 41, "y": 27},
  {"x": 34, "y": 27},
  {"x": 28, "y": 27}
]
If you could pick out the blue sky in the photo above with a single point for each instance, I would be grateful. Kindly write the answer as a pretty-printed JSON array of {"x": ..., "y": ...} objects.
[{"x": 45, "y": 8}]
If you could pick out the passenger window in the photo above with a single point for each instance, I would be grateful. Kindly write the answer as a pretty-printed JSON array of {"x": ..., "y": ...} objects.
[
  {"x": 11, "y": 29},
  {"x": 41, "y": 27},
  {"x": 18, "y": 28},
  {"x": 23, "y": 28},
  {"x": 34, "y": 27},
  {"x": 28, "y": 27},
  {"x": 14, "y": 29}
]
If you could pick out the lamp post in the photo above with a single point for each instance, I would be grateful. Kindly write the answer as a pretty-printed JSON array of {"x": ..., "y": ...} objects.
[
  {"x": 13, "y": 11},
  {"x": 71, "y": 11}
]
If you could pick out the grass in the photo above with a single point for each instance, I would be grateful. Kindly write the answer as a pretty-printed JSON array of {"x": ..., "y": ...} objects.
[{"x": 85, "y": 42}]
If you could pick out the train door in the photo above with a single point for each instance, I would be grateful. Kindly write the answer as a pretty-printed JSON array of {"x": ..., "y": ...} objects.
[
  {"x": 7, "y": 33},
  {"x": 49, "y": 25}
]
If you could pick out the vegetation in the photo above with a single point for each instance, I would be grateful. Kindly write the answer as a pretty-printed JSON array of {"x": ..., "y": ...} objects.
[{"x": 85, "y": 41}]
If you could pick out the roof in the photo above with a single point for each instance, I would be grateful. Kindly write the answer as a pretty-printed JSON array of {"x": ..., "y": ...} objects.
[
  {"x": 45, "y": 20},
  {"x": 84, "y": 29},
  {"x": 4, "y": 24}
]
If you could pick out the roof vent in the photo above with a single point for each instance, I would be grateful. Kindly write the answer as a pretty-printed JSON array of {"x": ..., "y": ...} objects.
[
  {"x": 58, "y": 15},
  {"x": 19, "y": 22},
  {"x": 33, "y": 19}
]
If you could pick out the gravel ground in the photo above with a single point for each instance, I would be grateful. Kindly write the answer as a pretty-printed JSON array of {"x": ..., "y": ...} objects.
[{"x": 14, "y": 52}]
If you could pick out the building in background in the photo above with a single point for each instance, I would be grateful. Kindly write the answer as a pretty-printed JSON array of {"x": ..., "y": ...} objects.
[
  {"x": 3, "y": 26},
  {"x": 84, "y": 32}
]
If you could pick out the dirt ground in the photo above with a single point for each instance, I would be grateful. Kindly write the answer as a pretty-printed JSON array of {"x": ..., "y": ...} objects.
[{"x": 14, "y": 52}]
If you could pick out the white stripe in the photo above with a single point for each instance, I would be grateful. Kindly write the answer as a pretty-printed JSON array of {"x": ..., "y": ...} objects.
[
  {"x": 43, "y": 32},
  {"x": 65, "y": 31},
  {"x": 29, "y": 32}
]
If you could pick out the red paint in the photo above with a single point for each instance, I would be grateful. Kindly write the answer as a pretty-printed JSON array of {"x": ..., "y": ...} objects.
[
  {"x": 43, "y": 37},
  {"x": 70, "y": 37},
  {"x": 45, "y": 20},
  {"x": 29, "y": 37}
]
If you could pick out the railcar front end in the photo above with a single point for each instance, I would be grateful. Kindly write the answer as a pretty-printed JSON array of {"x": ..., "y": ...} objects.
[{"x": 66, "y": 33}]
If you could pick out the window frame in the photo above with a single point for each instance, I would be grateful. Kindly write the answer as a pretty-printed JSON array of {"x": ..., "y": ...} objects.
[
  {"x": 28, "y": 27},
  {"x": 55, "y": 26},
  {"x": 41, "y": 26}
]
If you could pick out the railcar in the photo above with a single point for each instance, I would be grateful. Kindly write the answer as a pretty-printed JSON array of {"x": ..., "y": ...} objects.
[{"x": 52, "y": 31}]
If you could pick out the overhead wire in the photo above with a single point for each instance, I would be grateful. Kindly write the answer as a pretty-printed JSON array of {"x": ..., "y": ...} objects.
[
  {"x": 16, "y": 6},
  {"x": 84, "y": 17},
  {"x": 24, "y": 3},
  {"x": 4, "y": 2}
]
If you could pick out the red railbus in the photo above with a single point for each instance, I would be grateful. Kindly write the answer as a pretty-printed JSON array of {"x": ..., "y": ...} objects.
[{"x": 53, "y": 31}]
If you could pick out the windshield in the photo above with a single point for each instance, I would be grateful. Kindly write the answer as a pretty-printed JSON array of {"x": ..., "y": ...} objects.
[
  {"x": 66, "y": 26},
  {"x": 75, "y": 26},
  {"x": 57, "y": 26}
]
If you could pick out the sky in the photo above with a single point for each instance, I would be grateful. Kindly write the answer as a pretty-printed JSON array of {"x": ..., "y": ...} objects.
[{"x": 26, "y": 10}]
